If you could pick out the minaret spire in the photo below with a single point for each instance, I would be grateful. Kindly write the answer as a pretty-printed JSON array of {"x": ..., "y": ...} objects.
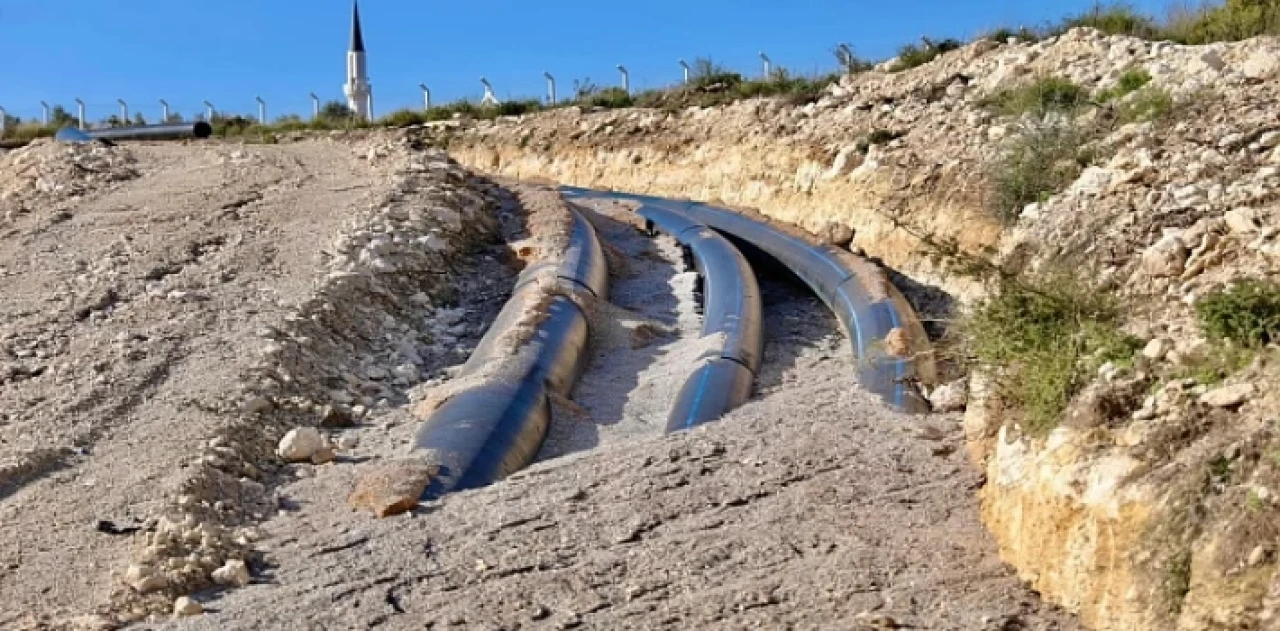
[
  {"x": 359, "y": 92},
  {"x": 357, "y": 38}
]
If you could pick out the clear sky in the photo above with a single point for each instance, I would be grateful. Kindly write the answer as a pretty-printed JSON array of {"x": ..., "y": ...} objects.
[{"x": 229, "y": 51}]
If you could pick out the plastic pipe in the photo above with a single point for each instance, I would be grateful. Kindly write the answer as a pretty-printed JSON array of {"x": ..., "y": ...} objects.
[
  {"x": 731, "y": 308},
  {"x": 874, "y": 314},
  {"x": 490, "y": 430}
]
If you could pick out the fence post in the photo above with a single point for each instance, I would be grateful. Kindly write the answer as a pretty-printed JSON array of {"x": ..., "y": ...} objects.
[{"x": 626, "y": 79}]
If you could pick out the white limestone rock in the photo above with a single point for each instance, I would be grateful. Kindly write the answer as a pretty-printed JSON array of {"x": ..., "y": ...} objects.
[
  {"x": 1260, "y": 66},
  {"x": 234, "y": 573},
  {"x": 300, "y": 444},
  {"x": 951, "y": 397},
  {"x": 1228, "y": 396},
  {"x": 185, "y": 606},
  {"x": 1166, "y": 258}
]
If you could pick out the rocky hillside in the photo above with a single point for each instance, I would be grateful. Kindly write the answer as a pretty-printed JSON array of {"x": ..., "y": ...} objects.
[{"x": 1143, "y": 493}]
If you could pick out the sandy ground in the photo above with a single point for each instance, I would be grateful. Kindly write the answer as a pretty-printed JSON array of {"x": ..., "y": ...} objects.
[{"x": 184, "y": 264}]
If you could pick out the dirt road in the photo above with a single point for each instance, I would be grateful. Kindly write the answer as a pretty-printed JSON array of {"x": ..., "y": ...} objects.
[{"x": 125, "y": 322}]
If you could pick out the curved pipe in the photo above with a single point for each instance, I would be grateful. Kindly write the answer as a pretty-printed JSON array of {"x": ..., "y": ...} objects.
[
  {"x": 731, "y": 308},
  {"x": 167, "y": 131},
  {"x": 872, "y": 311},
  {"x": 535, "y": 348}
]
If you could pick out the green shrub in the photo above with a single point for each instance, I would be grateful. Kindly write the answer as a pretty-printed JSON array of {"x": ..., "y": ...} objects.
[
  {"x": 1247, "y": 313},
  {"x": 1043, "y": 338},
  {"x": 1147, "y": 105},
  {"x": 1037, "y": 163},
  {"x": 706, "y": 73},
  {"x": 1214, "y": 364},
  {"x": 1004, "y": 34},
  {"x": 1129, "y": 82},
  {"x": 27, "y": 131},
  {"x": 519, "y": 107},
  {"x": 1231, "y": 21},
  {"x": 611, "y": 98},
  {"x": 403, "y": 118},
  {"x": 1114, "y": 19},
  {"x": 913, "y": 55},
  {"x": 1044, "y": 95}
]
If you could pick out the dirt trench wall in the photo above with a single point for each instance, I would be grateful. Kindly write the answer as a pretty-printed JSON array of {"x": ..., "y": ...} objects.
[{"x": 809, "y": 182}]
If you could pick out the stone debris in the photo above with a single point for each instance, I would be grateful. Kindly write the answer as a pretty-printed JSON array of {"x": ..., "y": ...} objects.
[
  {"x": 1157, "y": 348},
  {"x": 300, "y": 444},
  {"x": 950, "y": 397},
  {"x": 234, "y": 573},
  {"x": 1166, "y": 258},
  {"x": 837, "y": 234},
  {"x": 393, "y": 488},
  {"x": 185, "y": 606},
  {"x": 897, "y": 343},
  {"x": 1228, "y": 396},
  {"x": 45, "y": 174}
]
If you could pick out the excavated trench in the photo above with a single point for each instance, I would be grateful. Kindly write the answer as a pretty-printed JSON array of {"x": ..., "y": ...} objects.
[
  {"x": 617, "y": 526},
  {"x": 515, "y": 389}
]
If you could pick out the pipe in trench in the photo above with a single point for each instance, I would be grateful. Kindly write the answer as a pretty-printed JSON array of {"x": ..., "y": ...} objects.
[
  {"x": 731, "y": 308},
  {"x": 165, "y": 131},
  {"x": 874, "y": 314},
  {"x": 495, "y": 428}
]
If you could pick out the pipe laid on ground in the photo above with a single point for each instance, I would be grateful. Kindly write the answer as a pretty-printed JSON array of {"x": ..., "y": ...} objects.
[
  {"x": 165, "y": 131},
  {"x": 731, "y": 308},
  {"x": 534, "y": 349},
  {"x": 869, "y": 307}
]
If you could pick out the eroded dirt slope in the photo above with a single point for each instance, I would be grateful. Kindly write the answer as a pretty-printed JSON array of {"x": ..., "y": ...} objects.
[{"x": 129, "y": 315}]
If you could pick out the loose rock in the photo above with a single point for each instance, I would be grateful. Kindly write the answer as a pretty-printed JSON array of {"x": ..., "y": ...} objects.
[
  {"x": 185, "y": 606},
  {"x": 1228, "y": 396},
  {"x": 393, "y": 488},
  {"x": 233, "y": 573},
  {"x": 300, "y": 444}
]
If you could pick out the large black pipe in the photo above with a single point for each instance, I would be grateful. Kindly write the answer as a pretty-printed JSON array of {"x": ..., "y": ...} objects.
[
  {"x": 869, "y": 307},
  {"x": 535, "y": 348},
  {"x": 731, "y": 309},
  {"x": 165, "y": 131}
]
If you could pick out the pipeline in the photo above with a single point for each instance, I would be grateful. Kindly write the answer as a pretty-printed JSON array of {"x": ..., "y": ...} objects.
[
  {"x": 165, "y": 131},
  {"x": 731, "y": 308},
  {"x": 870, "y": 309},
  {"x": 490, "y": 430}
]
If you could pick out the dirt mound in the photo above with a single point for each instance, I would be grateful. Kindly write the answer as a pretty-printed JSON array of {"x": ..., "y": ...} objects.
[{"x": 45, "y": 174}]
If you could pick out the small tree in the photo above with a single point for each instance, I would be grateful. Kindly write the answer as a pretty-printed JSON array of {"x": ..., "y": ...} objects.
[
  {"x": 707, "y": 73},
  {"x": 139, "y": 119},
  {"x": 336, "y": 111},
  {"x": 584, "y": 88},
  {"x": 60, "y": 117}
]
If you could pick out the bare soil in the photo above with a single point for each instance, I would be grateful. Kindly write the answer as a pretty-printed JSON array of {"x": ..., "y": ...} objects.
[{"x": 140, "y": 305}]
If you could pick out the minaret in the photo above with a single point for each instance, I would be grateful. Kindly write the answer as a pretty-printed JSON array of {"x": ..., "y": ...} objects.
[{"x": 359, "y": 92}]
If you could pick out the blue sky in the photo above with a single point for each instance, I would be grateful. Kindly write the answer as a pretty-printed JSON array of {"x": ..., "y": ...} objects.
[{"x": 229, "y": 51}]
